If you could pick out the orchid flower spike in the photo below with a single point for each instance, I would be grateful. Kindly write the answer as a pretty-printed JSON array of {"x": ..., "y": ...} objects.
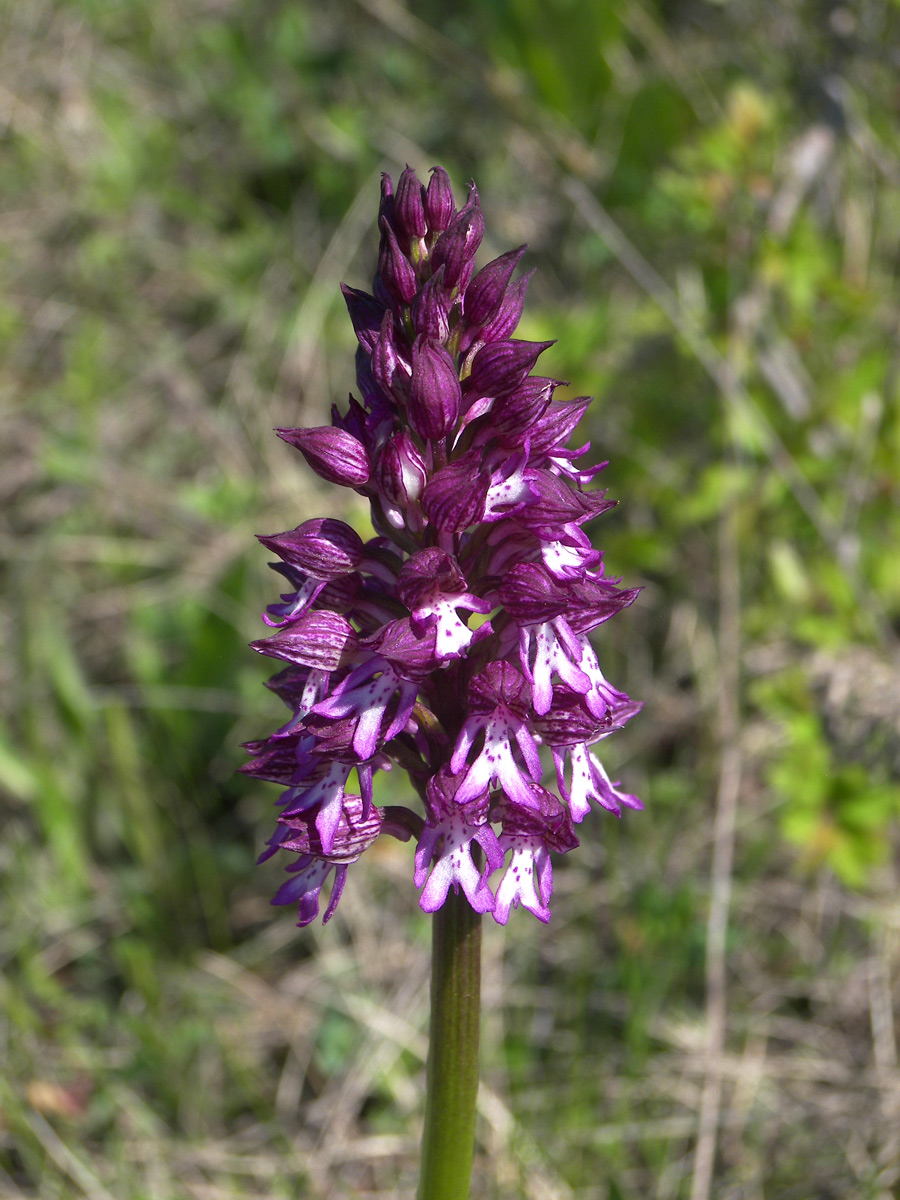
[{"x": 454, "y": 644}]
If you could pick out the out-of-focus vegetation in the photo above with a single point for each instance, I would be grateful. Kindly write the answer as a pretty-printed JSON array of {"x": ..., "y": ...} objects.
[{"x": 711, "y": 196}]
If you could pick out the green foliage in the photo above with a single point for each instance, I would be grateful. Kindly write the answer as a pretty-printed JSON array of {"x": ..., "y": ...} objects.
[{"x": 839, "y": 813}]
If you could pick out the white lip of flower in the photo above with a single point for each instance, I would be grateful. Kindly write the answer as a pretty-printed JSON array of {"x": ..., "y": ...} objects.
[
  {"x": 452, "y": 635},
  {"x": 555, "y": 646},
  {"x": 507, "y": 491},
  {"x": 590, "y": 781},
  {"x": 454, "y": 865},
  {"x": 565, "y": 561},
  {"x": 496, "y": 762},
  {"x": 518, "y": 885}
]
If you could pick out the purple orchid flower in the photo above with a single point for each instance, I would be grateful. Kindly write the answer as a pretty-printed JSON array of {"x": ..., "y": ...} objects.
[{"x": 455, "y": 643}]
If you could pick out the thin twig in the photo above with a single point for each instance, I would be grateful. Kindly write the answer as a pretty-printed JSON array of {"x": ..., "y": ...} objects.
[
  {"x": 723, "y": 849},
  {"x": 66, "y": 1159}
]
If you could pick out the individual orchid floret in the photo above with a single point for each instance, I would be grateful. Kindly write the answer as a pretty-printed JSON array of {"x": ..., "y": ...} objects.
[
  {"x": 548, "y": 646},
  {"x": 355, "y": 832},
  {"x": 432, "y": 587},
  {"x": 498, "y": 708},
  {"x": 323, "y": 640},
  {"x": 589, "y": 781},
  {"x": 571, "y": 555},
  {"x": 444, "y": 853},
  {"x": 366, "y": 695},
  {"x": 529, "y": 832}
]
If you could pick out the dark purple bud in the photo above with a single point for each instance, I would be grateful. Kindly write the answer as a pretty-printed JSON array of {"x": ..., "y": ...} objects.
[
  {"x": 429, "y": 310},
  {"x": 455, "y": 497},
  {"x": 455, "y": 250},
  {"x": 400, "y": 470},
  {"x": 365, "y": 313},
  {"x": 556, "y": 503},
  {"x": 501, "y": 366},
  {"x": 384, "y": 354},
  {"x": 409, "y": 206},
  {"x": 503, "y": 323},
  {"x": 323, "y": 547},
  {"x": 323, "y": 640},
  {"x": 499, "y": 684},
  {"x": 412, "y": 652},
  {"x": 506, "y": 318},
  {"x": 487, "y": 289},
  {"x": 531, "y": 595},
  {"x": 394, "y": 269},
  {"x": 439, "y": 206},
  {"x": 556, "y": 425},
  {"x": 515, "y": 412},
  {"x": 434, "y": 391},
  {"x": 333, "y": 454},
  {"x": 386, "y": 207}
]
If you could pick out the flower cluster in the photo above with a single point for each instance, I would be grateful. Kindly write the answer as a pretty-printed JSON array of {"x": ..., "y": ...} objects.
[{"x": 454, "y": 644}]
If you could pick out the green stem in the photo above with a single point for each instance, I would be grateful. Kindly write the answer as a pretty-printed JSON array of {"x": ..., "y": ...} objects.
[{"x": 448, "y": 1139}]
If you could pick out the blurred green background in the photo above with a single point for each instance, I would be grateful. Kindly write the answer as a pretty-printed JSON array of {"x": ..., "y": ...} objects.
[{"x": 710, "y": 193}]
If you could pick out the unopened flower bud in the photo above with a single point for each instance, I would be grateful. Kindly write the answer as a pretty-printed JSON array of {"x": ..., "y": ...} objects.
[
  {"x": 315, "y": 639},
  {"x": 332, "y": 454},
  {"x": 434, "y": 391},
  {"x": 455, "y": 250},
  {"x": 323, "y": 547},
  {"x": 506, "y": 318},
  {"x": 439, "y": 206},
  {"x": 409, "y": 206},
  {"x": 429, "y": 309},
  {"x": 394, "y": 268},
  {"x": 501, "y": 366},
  {"x": 455, "y": 497},
  {"x": 487, "y": 289}
]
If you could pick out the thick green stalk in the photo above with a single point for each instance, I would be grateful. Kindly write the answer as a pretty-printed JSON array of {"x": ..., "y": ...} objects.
[{"x": 448, "y": 1139}]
